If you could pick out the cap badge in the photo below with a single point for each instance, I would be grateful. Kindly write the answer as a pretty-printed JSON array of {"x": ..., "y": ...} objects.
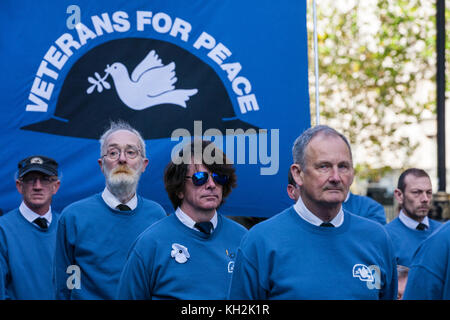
[{"x": 36, "y": 160}]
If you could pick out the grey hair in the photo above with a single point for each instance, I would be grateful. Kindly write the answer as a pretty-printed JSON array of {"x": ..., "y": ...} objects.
[
  {"x": 121, "y": 125},
  {"x": 300, "y": 144}
]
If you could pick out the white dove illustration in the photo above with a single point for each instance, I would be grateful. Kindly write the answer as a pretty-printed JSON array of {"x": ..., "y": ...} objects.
[{"x": 151, "y": 84}]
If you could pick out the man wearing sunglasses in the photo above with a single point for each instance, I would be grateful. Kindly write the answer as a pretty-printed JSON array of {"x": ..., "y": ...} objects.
[
  {"x": 95, "y": 234},
  {"x": 190, "y": 254},
  {"x": 28, "y": 233}
]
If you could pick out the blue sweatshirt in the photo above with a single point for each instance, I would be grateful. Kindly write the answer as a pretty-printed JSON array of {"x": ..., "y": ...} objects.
[
  {"x": 285, "y": 257},
  {"x": 2, "y": 285},
  {"x": 95, "y": 239},
  {"x": 406, "y": 240},
  {"x": 172, "y": 261},
  {"x": 26, "y": 257},
  {"x": 429, "y": 275},
  {"x": 365, "y": 207}
]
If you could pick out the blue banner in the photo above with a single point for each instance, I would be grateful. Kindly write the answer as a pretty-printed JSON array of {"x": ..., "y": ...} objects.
[{"x": 234, "y": 72}]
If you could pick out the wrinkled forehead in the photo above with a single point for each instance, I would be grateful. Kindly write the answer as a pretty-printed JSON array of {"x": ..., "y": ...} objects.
[
  {"x": 328, "y": 146},
  {"x": 122, "y": 138},
  {"x": 415, "y": 182}
]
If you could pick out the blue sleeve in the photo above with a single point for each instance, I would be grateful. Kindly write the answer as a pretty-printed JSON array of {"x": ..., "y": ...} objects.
[
  {"x": 2, "y": 285},
  {"x": 3, "y": 265},
  {"x": 377, "y": 213},
  {"x": 245, "y": 282},
  {"x": 429, "y": 269},
  {"x": 423, "y": 285},
  {"x": 64, "y": 257},
  {"x": 4, "y": 269},
  {"x": 390, "y": 290},
  {"x": 134, "y": 280}
]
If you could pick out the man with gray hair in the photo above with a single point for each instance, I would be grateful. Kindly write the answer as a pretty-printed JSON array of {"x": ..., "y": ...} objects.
[
  {"x": 315, "y": 249},
  {"x": 95, "y": 234}
]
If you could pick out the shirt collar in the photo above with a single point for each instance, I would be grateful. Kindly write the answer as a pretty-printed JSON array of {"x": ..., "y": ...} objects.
[
  {"x": 411, "y": 223},
  {"x": 113, "y": 202},
  {"x": 310, "y": 217},
  {"x": 187, "y": 221},
  {"x": 348, "y": 197},
  {"x": 30, "y": 215}
]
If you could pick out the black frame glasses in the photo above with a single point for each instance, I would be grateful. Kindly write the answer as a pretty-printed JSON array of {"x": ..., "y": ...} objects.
[{"x": 201, "y": 177}]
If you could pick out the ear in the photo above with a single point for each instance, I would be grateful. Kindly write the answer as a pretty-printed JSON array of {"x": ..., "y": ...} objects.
[
  {"x": 145, "y": 164},
  {"x": 19, "y": 186},
  {"x": 297, "y": 174},
  {"x": 398, "y": 194},
  {"x": 290, "y": 191},
  {"x": 100, "y": 163},
  {"x": 56, "y": 186}
]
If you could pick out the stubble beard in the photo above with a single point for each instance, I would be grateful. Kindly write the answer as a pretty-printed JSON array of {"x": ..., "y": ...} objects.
[{"x": 416, "y": 214}]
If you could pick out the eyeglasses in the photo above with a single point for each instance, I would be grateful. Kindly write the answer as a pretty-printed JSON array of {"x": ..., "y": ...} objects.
[
  {"x": 45, "y": 181},
  {"x": 200, "y": 178},
  {"x": 114, "y": 153}
]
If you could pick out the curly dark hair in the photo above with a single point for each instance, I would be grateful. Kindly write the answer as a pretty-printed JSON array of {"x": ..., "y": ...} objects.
[{"x": 175, "y": 174}]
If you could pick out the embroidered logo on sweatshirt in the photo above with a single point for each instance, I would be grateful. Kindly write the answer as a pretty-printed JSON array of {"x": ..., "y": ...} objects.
[
  {"x": 179, "y": 253},
  {"x": 231, "y": 256},
  {"x": 369, "y": 274}
]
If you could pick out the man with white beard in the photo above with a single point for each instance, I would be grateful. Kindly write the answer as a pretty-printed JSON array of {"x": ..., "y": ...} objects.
[{"x": 95, "y": 234}]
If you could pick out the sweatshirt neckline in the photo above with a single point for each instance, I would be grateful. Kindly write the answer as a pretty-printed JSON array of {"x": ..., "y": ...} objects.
[
  {"x": 318, "y": 229},
  {"x": 36, "y": 228},
  {"x": 199, "y": 234},
  {"x": 117, "y": 212}
]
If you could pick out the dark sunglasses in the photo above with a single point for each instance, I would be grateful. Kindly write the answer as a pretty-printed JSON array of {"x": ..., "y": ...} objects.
[{"x": 200, "y": 178}]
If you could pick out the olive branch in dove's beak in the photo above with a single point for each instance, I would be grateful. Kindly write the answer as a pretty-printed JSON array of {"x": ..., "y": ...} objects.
[{"x": 99, "y": 83}]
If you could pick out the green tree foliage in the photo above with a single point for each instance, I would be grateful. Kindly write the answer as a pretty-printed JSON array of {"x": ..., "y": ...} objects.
[{"x": 377, "y": 67}]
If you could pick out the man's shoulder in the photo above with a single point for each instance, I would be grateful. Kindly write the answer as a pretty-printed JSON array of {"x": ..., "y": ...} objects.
[
  {"x": 436, "y": 244},
  {"x": 363, "y": 201},
  {"x": 9, "y": 217},
  {"x": 442, "y": 232},
  {"x": 233, "y": 225},
  {"x": 85, "y": 201},
  {"x": 434, "y": 224},
  {"x": 364, "y": 223},
  {"x": 158, "y": 229},
  {"x": 277, "y": 222},
  {"x": 394, "y": 224},
  {"x": 83, "y": 204},
  {"x": 151, "y": 207},
  {"x": 397, "y": 230},
  {"x": 149, "y": 203}
]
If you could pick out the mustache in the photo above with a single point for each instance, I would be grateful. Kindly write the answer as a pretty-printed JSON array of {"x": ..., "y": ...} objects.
[
  {"x": 122, "y": 169},
  {"x": 333, "y": 187}
]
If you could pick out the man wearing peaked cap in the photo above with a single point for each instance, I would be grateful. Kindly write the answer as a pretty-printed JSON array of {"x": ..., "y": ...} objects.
[
  {"x": 41, "y": 164},
  {"x": 28, "y": 233}
]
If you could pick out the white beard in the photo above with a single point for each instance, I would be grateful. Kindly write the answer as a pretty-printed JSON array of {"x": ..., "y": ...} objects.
[{"x": 123, "y": 185}]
